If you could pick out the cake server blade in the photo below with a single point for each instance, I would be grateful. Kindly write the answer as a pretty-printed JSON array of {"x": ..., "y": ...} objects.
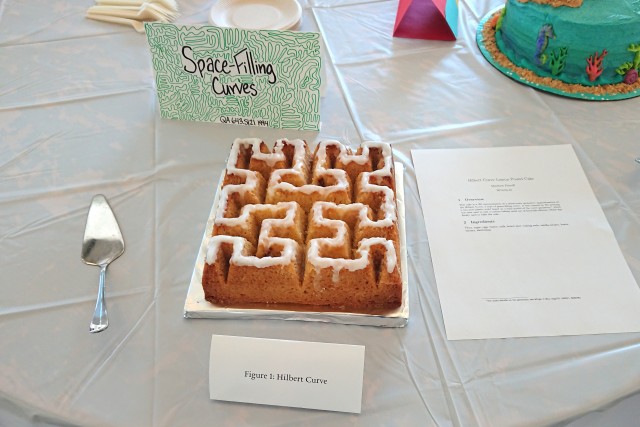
[{"x": 101, "y": 245}]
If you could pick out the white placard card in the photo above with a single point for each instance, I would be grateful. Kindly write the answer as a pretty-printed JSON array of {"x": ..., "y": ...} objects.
[
  {"x": 520, "y": 245},
  {"x": 298, "y": 374}
]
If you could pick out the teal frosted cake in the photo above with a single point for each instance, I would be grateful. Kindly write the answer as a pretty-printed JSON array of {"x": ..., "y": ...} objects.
[{"x": 590, "y": 46}]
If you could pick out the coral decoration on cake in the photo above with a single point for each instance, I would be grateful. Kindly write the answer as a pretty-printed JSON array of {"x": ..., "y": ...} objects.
[
  {"x": 297, "y": 228},
  {"x": 496, "y": 20},
  {"x": 594, "y": 65},
  {"x": 557, "y": 60}
]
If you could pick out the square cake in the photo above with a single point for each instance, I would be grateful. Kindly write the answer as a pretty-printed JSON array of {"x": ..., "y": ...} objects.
[{"x": 314, "y": 228}]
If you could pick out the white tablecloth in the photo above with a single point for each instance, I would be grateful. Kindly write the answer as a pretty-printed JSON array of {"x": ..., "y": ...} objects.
[{"x": 79, "y": 116}]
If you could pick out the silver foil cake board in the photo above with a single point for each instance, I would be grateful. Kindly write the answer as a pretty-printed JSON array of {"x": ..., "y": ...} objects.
[{"x": 196, "y": 307}]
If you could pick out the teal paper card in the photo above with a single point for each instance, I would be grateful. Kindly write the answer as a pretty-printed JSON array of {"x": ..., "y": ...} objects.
[{"x": 229, "y": 75}]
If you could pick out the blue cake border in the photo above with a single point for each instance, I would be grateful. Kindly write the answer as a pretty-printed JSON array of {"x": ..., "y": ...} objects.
[{"x": 515, "y": 76}]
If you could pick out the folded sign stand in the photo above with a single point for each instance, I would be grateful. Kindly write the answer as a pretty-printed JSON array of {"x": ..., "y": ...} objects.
[{"x": 427, "y": 19}]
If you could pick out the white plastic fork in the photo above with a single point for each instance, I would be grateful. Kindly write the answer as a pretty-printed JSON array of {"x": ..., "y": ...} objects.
[
  {"x": 137, "y": 25},
  {"x": 167, "y": 4},
  {"x": 147, "y": 12}
]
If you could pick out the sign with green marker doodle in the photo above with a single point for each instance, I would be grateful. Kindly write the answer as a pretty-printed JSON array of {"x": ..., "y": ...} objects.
[{"x": 228, "y": 75}]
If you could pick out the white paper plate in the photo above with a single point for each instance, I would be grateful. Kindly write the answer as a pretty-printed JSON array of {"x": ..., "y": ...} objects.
[
  {"x": 256, "y": 14},
  {"x": 197, "y": 307}
]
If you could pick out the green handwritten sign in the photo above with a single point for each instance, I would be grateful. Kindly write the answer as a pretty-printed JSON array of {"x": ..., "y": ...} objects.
[{"x": 229, "y": 75}]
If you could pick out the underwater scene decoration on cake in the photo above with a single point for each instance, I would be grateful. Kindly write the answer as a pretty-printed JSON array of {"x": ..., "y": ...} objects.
[{"x": 587, "y": 49}]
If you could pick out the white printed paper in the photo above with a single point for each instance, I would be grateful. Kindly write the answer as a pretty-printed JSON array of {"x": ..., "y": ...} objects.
[
  {"x": 520, "y": 245},
  {"x": 286, "y": 373}
]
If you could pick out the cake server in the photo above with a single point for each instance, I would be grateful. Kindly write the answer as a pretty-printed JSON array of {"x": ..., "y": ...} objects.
[{"x": 101, "y": 245}]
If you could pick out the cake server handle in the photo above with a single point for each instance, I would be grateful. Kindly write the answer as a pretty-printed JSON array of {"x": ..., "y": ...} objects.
[{"x": 100, "y": 320}]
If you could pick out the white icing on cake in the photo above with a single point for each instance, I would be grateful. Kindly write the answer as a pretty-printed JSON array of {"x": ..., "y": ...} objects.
[
  {"x": 300, "y": 169},
  {"x": 240, "y": 258},
  {"x": 269, "y": 158},
  {"x": 341, "y": 232}
]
